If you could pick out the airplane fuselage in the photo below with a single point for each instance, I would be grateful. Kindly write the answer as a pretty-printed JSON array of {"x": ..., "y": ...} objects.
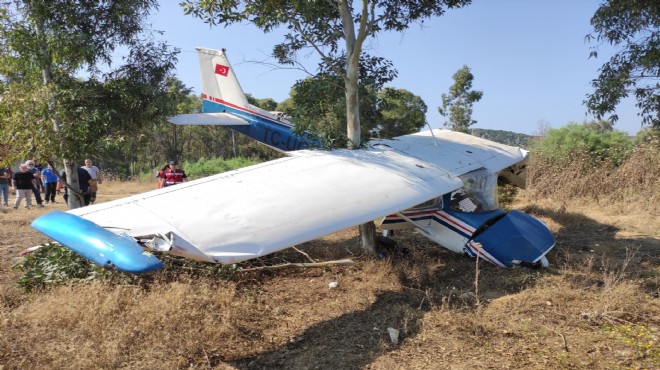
[
  {"x": 503, "y": 238},
  {"x": 272, "y": 131}
]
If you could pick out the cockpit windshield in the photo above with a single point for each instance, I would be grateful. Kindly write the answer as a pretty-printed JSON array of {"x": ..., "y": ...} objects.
[{"x": 478, "y": 194}]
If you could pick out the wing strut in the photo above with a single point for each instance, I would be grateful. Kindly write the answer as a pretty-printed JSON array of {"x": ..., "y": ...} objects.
[{"x": 407, "y": 219}]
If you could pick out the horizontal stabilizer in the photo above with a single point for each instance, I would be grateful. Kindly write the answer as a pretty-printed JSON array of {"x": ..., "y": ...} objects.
[
  {"x": 221, "y": 119},
  {"x": 95, "y": 243}
]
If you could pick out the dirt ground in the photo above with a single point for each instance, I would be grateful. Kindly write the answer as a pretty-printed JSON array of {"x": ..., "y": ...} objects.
[{"x": 596, "y": 307}]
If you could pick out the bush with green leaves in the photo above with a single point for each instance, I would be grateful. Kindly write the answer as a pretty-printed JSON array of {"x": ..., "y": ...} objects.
[
  {"x": 52, "y": 264},
  {"x": 578, "y": 140},
  {"x": 206, "y": 167}
]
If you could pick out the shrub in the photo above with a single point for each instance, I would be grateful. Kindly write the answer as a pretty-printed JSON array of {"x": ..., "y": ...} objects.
[
  {"x": 206, "y": 167},
  {"x": 53, "y": 264},
  {"x": 564, "y": 144},
  {"x": 579, "y": 173}
]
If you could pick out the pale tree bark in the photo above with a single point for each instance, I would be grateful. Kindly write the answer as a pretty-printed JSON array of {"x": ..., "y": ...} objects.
[
  {"x": 351, "y": 81},
  {"x": 71, "y": 169}
]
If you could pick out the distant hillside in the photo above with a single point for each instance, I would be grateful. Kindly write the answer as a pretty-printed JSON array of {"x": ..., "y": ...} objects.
[{"x": 504, "y": 137}]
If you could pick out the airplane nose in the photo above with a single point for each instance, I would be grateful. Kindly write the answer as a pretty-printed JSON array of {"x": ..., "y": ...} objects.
[{"x": 517, "y": 239}]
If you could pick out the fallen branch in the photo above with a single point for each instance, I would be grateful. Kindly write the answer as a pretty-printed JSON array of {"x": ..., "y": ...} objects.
[
  {"x": 301, "y": 265},
  {"x": 304, "y": 254}
]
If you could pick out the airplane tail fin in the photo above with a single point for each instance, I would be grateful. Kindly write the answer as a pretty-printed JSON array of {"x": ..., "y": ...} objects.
[
  {"x": 219, "y": 83},
  {"x": 225, "y": 104}
]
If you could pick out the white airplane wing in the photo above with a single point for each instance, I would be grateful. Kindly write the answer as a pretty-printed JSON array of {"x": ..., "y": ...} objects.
[
  {"x": 257, "y": 210},
  {"x": 459, "y": 153}
]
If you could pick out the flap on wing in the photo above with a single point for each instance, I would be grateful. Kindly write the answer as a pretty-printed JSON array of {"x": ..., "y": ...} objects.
[{"x": 221, "y": 119}]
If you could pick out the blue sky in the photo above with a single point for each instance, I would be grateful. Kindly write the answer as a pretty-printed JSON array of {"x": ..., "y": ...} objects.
[{"x": 529, "y": 58}]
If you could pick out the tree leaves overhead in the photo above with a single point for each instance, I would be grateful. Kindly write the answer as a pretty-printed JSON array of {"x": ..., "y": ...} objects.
[
  {"x": 63, "y": 95},
  {"x": 633, "y": 25}
]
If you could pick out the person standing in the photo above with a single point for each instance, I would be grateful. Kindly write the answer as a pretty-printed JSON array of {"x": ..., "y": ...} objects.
[
  {"x": 24, "y": 183},
  {"x": 97, "y": 178},
  {"x": 5, "y": 179},
  {"x": 32, "y": 168},
  {"x": 50, "y": 183},
  {"x": 83, "y": 185},
  {"x": 174, "y": 175},
  {"x": 161, "y": 175}
]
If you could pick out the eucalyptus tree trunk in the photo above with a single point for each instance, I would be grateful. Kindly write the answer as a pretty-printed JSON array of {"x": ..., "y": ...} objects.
[
  {"x": 71, "y": 169},
  {"x": 351, "y": 80}
]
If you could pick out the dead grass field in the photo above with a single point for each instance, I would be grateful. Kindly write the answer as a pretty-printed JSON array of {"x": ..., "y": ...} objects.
[{"x": 596, "y": 307}]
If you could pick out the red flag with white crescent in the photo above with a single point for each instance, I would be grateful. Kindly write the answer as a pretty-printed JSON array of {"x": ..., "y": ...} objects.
[{"x": 221, "y": 70}]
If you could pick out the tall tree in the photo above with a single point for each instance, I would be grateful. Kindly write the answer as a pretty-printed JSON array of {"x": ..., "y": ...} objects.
[
  {"x": 457, "y": 104},
  {"x": 61, "y": 96},
  {"x": 634, "y": 26},
  {"x": 336, "y": 29}
]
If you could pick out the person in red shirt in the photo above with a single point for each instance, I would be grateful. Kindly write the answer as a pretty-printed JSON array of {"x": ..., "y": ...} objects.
[
  {"x": 161, "y": 176},
  {"x": 173, "y": 175}
]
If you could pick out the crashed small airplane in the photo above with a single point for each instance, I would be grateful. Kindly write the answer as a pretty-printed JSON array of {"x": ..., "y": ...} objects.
[{"x": 440, "y": 182}]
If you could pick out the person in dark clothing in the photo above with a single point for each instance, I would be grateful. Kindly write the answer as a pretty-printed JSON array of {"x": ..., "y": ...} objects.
[
  {"x": 36, "y": 190},
  {"x": 5, "y": 181},
  {"x": 23, "y": 181},
  {"x": 83, "y": 185}
]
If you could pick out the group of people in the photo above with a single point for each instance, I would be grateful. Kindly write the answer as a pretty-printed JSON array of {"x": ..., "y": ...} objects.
[{"x": 33, "y": 179}]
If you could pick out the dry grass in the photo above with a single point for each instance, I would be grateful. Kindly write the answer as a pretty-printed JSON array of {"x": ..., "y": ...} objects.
[
  {"x": 597, "y": 307},
  {"x": 635, "y": 181}
]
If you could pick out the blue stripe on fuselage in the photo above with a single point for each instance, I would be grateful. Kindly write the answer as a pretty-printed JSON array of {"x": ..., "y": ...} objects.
[
  {"x": 434, "y": 218},
  {"x": 267, "y": 131}
]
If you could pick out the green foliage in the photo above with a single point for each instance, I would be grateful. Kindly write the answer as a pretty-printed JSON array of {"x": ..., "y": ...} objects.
[
  {"x": 318, "y": 105},
  {"x": 316, "y": 22},
  {"x": 53, "y": 264},
  {"x": 268, "y": 104},
  {"x": 576, "y": 140},
  {"x": 457, "y": 104},
  {"x": 506, "y": 195},
  {"x": 633, "y": 26},
  {"x": 48, "y": 110},
  {"x": 206, "y": 167},
  {"x": 203, "y": 167},
  {"x": 501, "y": 136},
  {"x": 400, "y": 113}
]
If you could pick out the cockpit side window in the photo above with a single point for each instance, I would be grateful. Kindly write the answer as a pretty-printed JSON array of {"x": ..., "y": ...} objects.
[
  {"x": 478, "y": 194},
  {"x": 435, "y": 202}
]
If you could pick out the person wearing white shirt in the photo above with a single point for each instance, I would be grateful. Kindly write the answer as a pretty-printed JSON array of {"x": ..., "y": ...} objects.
[{"x": 97, "y": 178}]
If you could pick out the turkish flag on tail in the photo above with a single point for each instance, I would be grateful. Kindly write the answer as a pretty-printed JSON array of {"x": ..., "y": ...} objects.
[{"x": 221, "y": 70}]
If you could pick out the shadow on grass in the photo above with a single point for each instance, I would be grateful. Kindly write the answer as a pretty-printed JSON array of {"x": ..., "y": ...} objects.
[
  {"x": 582, "y": 237},
  {"x": 433, "y": 277},
  {"x": 350, "y": 341}
]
